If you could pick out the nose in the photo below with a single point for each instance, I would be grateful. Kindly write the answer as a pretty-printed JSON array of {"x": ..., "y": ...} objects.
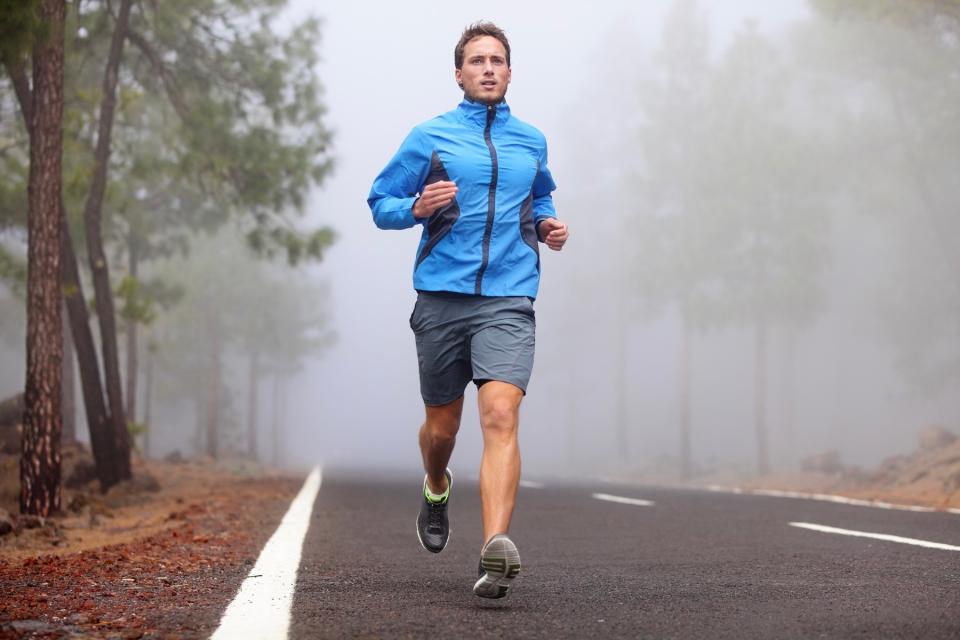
[{"x": 488, "y": 68}]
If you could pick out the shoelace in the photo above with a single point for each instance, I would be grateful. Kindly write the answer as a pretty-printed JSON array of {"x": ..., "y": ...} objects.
[{"x": 435, "y": 516}]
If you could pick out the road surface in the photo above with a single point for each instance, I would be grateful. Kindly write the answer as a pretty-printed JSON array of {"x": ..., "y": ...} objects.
[{"x": 663, "y": 563}]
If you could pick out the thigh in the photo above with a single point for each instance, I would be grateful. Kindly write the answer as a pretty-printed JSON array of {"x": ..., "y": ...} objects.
[{"x": 499, "y": 396}]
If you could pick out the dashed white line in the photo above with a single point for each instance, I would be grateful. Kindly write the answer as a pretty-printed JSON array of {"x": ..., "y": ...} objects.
[
  {"x": 262, "y": 607},
  {"x": 530, "y": 484},
  {"x": 875, "y": 536},
  {"x": 623, "y": 500}
]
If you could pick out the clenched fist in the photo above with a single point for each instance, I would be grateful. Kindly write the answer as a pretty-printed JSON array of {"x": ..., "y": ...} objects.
[
  {"x": 435, "y": 196},
  {"x": 553, "y": 233}
]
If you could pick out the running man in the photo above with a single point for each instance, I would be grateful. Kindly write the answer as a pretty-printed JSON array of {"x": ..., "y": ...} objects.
[{"x": 476, "y": 179}]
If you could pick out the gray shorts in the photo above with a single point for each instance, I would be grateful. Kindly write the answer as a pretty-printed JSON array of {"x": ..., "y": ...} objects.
[{"x": 462, "y": 338}]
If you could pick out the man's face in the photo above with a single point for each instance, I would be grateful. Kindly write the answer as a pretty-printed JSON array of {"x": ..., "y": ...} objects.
[{"x": 485, "y": 74}]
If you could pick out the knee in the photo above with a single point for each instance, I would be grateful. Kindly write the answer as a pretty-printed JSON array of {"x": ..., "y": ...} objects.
[
  {"x": 442, "y": 431},
  {"x": 499, "y": 418}
]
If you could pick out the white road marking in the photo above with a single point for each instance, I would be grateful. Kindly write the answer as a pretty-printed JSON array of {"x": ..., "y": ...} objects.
[
  {"x": 261, "y": 609},
  {"x": 826, "y": 497},
  {"x": 875, "y": 536},
  {"x": 622, "y": 500},
  {"x": 530, "y": 484}
]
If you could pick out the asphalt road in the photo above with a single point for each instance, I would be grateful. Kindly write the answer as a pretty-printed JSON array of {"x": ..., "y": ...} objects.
[{"x": 693, "y": 565}]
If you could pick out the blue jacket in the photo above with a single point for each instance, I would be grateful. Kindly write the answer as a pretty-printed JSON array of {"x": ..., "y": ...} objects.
[{"x": 485, "y": 241}]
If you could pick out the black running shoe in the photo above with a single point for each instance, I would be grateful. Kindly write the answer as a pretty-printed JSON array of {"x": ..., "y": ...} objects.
[
  {"x": 433, "y": 530},
  {"x": 499, "y": 565}
]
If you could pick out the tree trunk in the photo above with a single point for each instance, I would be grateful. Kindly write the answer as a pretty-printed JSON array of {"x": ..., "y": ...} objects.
[
  {"x": 944, "y": 236},
  {"x": 98, "y": 422},
  {"x": 252, "y": 408},
  {"x": 132, "y": 338},
  {"x": 42, "y": 417},
  {"x": 98, "y": 260},
  {"x": 147, "y": 402},
  {"x": 102, "y": 441},
  {"x": 789, "y": 396},
  {"x": 68, "y": 377},
  {"x": 623, "y": 443},
  {"x": 760, "y": 395},
  {"x": 282, "y": 423},
  {"x": 213, "y": 385},
  {"x": 572, "y": 394},
  {"x": 275, "y": 431},
  {"x": 200, "y": 422},
  {"x": 686, "y": 459}
]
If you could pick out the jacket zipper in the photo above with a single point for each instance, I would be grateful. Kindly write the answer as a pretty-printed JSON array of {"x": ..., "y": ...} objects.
[{"x": 491, "y": 198}]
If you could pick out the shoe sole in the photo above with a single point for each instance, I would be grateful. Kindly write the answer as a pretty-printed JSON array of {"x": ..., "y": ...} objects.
[
  {"x": 501, "y": 564},
  {"x": 449, "y": 532}
]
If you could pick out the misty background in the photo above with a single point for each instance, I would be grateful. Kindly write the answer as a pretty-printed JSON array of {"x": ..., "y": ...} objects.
[{"x": 739, "y": 177}]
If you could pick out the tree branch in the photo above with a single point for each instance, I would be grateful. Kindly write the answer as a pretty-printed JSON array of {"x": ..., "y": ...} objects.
[{"x": 169, "y": 83}]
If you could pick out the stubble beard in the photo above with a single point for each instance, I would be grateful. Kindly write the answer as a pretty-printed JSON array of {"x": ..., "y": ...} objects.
[{"x": 487, "y": 100}]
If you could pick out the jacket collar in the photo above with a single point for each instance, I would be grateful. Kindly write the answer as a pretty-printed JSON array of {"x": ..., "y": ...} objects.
[{"x": 475, "y": 113}]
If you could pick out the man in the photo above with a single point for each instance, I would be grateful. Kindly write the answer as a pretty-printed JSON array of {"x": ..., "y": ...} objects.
[{"x": 476, "y": 178}]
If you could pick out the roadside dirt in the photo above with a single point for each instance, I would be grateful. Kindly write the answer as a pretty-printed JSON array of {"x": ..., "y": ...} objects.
[
  {"x": 157, "y": 557},
  {"x": 929, "y": 476}
]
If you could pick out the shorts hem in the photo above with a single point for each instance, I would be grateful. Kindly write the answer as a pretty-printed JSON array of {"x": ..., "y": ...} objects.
[
  {"x": 432, "y": 403},
  {"x": 516, "y": 383}
]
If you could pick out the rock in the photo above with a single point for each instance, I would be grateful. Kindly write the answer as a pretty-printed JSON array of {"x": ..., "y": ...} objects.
[
  {"x": 74, "y": 449},
  {"x": 29, "y": 522},
  {"x": 889, "y": 470},
  {"x": 131, "y": 491},
  {"x": 83, "y": 472},
  {"x": 935, "y": 437},
  {"x": 828, "y": 462},
  {"x": 175, "y": 457},
  {"x": 145, "y": 482},
  {"x": 952, "y": 483},
  {"x": 6, "y": 523},
  {"x": 78, "y": 502}
]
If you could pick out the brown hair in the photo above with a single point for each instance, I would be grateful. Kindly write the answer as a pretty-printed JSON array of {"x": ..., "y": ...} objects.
[{"x": 476, "y": 30}]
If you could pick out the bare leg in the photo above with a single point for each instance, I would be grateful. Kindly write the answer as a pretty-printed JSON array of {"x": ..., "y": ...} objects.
[
  {"x": 438, "y": 434},
  {"x": 500, "y": 467}
]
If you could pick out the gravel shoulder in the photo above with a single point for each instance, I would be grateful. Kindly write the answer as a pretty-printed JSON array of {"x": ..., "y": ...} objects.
[{"x": 160, "y": 556}]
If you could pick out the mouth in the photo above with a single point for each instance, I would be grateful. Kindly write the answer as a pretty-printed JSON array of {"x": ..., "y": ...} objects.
[{"x": 488, "y": 84}]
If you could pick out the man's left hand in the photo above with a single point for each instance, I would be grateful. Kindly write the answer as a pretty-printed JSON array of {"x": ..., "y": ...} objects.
[{"x": 553, "y": 232}]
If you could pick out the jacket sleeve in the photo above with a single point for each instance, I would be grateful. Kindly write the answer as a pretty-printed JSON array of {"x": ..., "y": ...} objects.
[
  {"x": 543, "y": 187},
  {"x": 395, "y": 189}
]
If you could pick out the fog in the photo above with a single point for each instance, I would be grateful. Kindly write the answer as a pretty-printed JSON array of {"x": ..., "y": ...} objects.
[
  {"x": 831, "y": 385},
  {"x": 847, "y": 285}
]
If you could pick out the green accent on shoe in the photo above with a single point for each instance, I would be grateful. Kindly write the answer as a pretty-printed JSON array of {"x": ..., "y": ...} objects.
[{"x": 433, "y": 497}]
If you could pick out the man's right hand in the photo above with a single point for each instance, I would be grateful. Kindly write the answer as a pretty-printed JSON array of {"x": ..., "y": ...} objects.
[{"x": 435, "y": 196}]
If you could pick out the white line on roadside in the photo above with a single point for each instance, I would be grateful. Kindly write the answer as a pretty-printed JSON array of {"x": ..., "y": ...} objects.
[
  {"x": 261, "y": 609},
  {"x": 825, "y": 497},
  {"x": 875, "y": 536},
  {"x": 530, "y": 484},
  {"x": 622, "y": 500}
]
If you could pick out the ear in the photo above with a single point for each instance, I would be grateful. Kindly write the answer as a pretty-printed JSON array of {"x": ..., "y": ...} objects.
[
  {"x": 457, "y": 75},
  {"x": 509, "y": 75}
]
